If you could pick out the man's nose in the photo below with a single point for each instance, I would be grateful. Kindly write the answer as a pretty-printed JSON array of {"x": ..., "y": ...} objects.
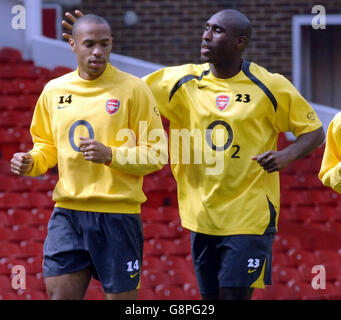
[
  {"x": 207, "y": 35},
  {"x": 97, "y": 51}
]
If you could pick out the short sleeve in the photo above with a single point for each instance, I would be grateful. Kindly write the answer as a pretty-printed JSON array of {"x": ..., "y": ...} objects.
[{"x": 293, "y": 112}]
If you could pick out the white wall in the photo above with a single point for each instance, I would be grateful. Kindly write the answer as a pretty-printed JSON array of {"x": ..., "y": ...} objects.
[{"x": 8, "y": 36}]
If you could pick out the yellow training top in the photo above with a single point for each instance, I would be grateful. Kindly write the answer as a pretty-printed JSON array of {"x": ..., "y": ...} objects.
[
  {"x": 221, "y": 191},
  {"x": 330, "y": 172},
  {"x": 116, "y": 109}
]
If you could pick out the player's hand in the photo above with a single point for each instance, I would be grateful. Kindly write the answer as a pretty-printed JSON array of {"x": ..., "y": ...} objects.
[
  {"x": 272, "y": 161},
  {"x": 95, "y": 151},
  {"x": 68, "y": 25},
  {"x": 21, "y": 163}
]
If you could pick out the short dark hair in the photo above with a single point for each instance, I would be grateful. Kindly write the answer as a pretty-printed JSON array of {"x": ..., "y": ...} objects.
[
  {"x": 93, "y": 18},
  {"x": 241, "y": 25}
]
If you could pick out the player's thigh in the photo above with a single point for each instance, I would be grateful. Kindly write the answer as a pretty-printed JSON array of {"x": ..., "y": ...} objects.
[
  {"x": 206, "y": 262},
  {"x": 115, "y": 244},
  {"x": 71, "y": 286}
]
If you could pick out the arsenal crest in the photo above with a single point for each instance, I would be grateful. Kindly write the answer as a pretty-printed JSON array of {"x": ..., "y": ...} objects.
[
  {"x": 222, "y": 102},
  {"x": 112, "y": 106}
]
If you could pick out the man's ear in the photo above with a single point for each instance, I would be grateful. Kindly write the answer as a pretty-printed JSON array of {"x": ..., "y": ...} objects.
[
  {"x": 72, "y": 44},
  {"x": 242, "y": 41}
]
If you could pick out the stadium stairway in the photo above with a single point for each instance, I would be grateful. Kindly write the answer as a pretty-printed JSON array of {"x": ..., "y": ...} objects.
[{"x": 309, "y": 224}]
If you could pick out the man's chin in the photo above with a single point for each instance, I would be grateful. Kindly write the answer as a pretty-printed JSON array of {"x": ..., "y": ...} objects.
[{"x": 204, "y": 59}]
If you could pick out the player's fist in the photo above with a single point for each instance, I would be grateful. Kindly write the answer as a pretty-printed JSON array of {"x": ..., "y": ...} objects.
[{"x": 21, "y": 163}]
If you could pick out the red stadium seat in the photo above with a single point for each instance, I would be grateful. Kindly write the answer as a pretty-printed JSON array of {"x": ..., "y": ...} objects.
[
  {"x": 19, "y": 216},
  {"x": 9, "y": 296},
  {"x": 299, "y": 257},
  {"x": 35, "y": 282},
  {"x": 146, "y": 294},
  {"x": 286, "y": 181},
  {"x": 157, "y": 230},
  {"x": 21, "y": 233},
  {"x": 40, "y": 216},
  {"x": 180, "y": 277},
  {"x": 161, "y": 214},
  {"x": 5, "y": 168},
  {"x": 10, "y": 200},
  {"x": 15, "y": 135},
  {"x": 10, "y": 55},
  {"x": 285, "y": 274},
  {"x": 169, "y": 262},
  {"x": 318, "y": 152},
  {"x": 180, "y": 247},
  {"x": 277, "y": 291},
  {"x": 4, "y": 221},
  {"x": 280, "y": 259},
  {"x": 151, "y": 183},
  {"x": 16, "y": 118},
  {"x": 323, "y": 197},
  {"x": 157, "y": 199},
  {"x": 29, "y": 248},
  {"x": 34, "y": 295},
  {"x": 9, "y": 249},
  {"x": 169, "y": 213},
  {"x": 168, "y": 292},
  {"x": 26, "y": 102},
  {"x": 176, "y": 230},
  {"x": 191, "y": 291},
  {"x": 34, "y": 265},
  {"x": 151, "y": 278},
  {"x": 328, "y": 256},
  {"x": 59, "y": 71},
  {"x": 5, "y": 282},
  {"x": 284, "y": 243},
  {"x": 38, "y": 200},
  {"x": 8, "y": 102},
  {"x": 305, "y": 291},
  {"x": 44, "y": 183},
  {"x": 6, "y": 234},
  {"x": 151, "y": 263},
  {"x": 94, "y": 294},
  {"x": 158, "y": 247}
]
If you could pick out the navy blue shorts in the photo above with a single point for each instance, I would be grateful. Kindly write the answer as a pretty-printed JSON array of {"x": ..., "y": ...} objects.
[
  {"x": 231, "y": 261},
  {"x": 109, "y": 244}
]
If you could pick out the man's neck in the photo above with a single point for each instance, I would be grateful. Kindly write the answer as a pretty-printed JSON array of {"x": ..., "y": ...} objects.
[
  {"x": 227, "y": 69},
  {"x": 88, "y": 76}
]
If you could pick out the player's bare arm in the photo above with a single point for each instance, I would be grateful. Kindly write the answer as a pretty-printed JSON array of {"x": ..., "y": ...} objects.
[
  {"x": 72, "y": 18},
  {"x": 272, "y": 161},
  {"x": 21, "y": 163},
  {"x": 94, "y": 150}
]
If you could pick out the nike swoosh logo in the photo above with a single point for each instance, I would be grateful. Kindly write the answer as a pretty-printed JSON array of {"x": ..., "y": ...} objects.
[
  {"x": 62, "y": 107},
  {"x": 250, "y": 271},
  {"x": 132, "y": 276},
  {"x": 201, "y": 87}
]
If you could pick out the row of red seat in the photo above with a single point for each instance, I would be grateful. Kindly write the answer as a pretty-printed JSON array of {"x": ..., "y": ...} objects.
[{"x": 298, "y": 291}]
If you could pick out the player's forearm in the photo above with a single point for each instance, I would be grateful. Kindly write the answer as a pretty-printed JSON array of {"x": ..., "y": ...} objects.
[{"x": 305, "y": 144}]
